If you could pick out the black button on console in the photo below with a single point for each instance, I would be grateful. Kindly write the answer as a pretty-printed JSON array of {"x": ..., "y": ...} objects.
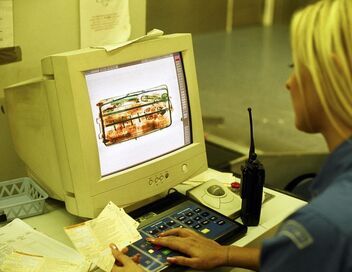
[
  {"x": 198, "y": 226},
  {"x": 162, "y": 227},
  {"x": 221, "y": 222},
  {"x": 170, "y": 223},
  {"x": 189, "y": 214},
  {"x": 181, "y": 218},
  {"x": 197, "y": 218},
  {"x": 153, "y": 232},
  {"x": 189, "y": 222}
]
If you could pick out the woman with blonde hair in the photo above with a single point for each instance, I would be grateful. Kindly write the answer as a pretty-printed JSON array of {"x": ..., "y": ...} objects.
[{"x": 318, "y": 237}]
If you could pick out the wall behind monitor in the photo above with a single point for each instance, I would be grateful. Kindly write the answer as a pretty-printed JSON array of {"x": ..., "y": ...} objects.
[
  {"x": 201, "y": 16},
  {"x": 42, "y": 28},
  {"x": 247, "y": 12},
  {"x": 186, "y": 16},
  {"x": 284, "y": 9}
]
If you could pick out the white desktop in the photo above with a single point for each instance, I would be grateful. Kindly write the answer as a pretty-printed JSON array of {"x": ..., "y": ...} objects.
[
  {"x": 273, "y": 213},
  {"x": 121, "y": 126}
]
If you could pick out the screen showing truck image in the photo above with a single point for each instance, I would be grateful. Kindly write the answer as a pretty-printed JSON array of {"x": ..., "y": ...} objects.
[{"x": 140, "y": 111}]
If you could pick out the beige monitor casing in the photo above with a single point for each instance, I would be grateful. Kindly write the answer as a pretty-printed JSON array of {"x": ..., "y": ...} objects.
[{"x": 52, "y": 129}]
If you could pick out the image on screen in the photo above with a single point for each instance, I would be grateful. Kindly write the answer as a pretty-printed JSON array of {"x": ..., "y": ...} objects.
[
  {"x": 140, "y": 111},
  {"x": 134, "y": 114}
]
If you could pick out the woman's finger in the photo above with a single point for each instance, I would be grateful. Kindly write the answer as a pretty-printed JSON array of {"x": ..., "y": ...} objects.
[
  {"x": 181, "y": 232},
  {"x": 124, "y": 250},
  {"x": 136, "y": 258},
  {"x": 119, "y": 256},
  {"x": 172, "y": 242},
  {"x": 180, "y": 260}
]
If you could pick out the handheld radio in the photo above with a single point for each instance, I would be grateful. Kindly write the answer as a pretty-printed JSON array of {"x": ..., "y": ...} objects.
[{"x": 252, "y": 183}]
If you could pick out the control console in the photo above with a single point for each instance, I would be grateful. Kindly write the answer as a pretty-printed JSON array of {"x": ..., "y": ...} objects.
[{"x": 184, "y": 213}]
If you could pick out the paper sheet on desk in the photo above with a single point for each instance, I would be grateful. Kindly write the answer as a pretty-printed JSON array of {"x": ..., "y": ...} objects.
[
  {"x": 150, "y": 35},
  {"x": 92, "y": 238},
  {"x": 37, "y": 251},
  {"x": 223, "y": 177},
  {"x": 24, "y": 238},
  {"x": 22, "y": 262}
]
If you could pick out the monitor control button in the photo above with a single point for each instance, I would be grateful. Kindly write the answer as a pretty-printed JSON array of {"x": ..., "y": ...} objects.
[
  {"x": 185, "y": 168},
  {"x": 150, "y": 181}
]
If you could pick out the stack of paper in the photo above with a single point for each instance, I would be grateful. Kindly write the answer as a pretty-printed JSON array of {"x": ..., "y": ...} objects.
[
  {"x": 92, "y": 238},
  {"x": 23, "y": 249},
  {"x": 23, "y": 262}
]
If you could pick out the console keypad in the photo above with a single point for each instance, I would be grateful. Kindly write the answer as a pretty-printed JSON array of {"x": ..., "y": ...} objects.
[{"x": 193, "y": 216}]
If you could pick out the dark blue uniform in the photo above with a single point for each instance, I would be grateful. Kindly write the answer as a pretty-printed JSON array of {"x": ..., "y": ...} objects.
[{"x": 318, "y": 237}]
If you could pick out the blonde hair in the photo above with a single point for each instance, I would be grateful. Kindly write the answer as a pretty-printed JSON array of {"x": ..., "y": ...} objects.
[{"x": 321, "y": 37}]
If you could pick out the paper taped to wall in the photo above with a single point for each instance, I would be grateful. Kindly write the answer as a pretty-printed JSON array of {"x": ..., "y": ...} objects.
[
  {"x": 104, "y": 22},
  {"x": 6, "y": 23}
]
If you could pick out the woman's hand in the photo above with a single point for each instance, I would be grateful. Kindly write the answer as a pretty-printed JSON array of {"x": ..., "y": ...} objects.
[
  {"x": 201, "y": 253},
  {"x": 124, "y": 263}
]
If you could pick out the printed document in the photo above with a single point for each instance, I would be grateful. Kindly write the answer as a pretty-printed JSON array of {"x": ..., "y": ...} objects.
[
  {"x": 23, "y": 249},
  {"x": 92, "y": 238},
  {"x": 22, "y": 262}
]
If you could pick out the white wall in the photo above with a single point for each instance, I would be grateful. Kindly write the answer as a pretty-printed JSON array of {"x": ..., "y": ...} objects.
[{"x": 41, "y": 28}]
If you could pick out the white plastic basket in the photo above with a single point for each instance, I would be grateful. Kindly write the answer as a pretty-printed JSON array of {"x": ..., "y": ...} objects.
[{"x": 21, "y": 198}]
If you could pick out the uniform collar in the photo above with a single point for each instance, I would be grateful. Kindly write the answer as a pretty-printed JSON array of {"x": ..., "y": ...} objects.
[{"x": 337, "y": 163}]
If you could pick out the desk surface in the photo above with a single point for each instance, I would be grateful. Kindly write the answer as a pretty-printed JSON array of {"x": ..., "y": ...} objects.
[{"x": 273, "y": 213}]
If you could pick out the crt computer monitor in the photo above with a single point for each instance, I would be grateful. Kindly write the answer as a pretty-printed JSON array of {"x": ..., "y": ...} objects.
[{"x": 121, "y": 126}]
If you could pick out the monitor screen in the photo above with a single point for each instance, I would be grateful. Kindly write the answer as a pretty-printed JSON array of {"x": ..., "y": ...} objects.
[{"x": 135, "y": 108}]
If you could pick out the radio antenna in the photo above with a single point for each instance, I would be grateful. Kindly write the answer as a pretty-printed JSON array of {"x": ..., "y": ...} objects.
[{"x": 252, "y": 155}]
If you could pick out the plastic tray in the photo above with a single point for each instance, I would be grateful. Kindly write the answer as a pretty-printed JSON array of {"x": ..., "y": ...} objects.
[{"x": 20, "y": 198}]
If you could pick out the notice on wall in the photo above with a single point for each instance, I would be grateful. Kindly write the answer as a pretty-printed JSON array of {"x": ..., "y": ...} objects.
[
  {"x": 6, "y": 23},
  {"x": 104, "y": 22}
]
